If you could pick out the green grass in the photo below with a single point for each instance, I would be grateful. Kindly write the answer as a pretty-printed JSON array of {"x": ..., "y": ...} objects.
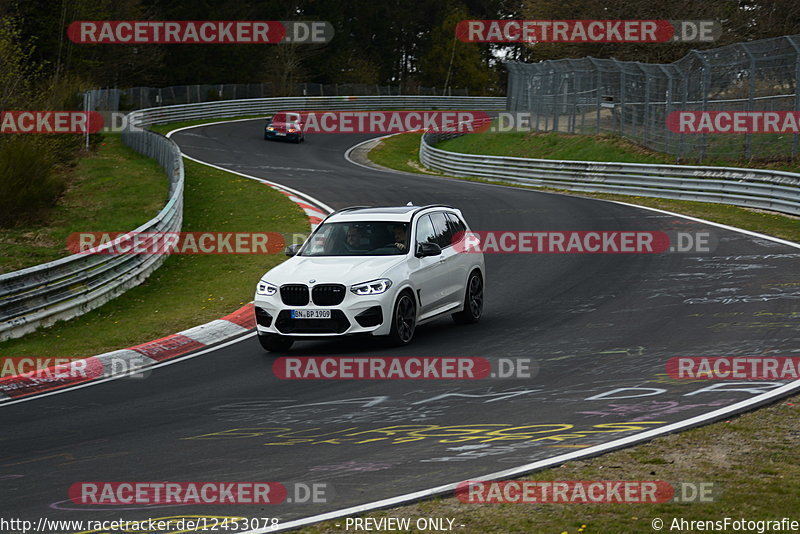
[
  {"x": 115, "y": 189},
  {"x": 553, "y": 146},
  {"x": 189, "y": 289},
  {"x": 400, "y": 152}
]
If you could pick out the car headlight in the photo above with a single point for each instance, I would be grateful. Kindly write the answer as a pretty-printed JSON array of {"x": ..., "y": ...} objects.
[
  {"x": 270, "y": 128},
  {"x": 266, "y": 289},
  {"x": 375, "y": 287}
]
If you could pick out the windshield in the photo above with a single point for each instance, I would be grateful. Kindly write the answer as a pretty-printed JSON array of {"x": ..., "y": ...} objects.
[{"x": 381, "y": 238}]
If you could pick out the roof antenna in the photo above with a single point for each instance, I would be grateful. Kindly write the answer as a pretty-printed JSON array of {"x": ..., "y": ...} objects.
[{"x": 410, "y": 204}]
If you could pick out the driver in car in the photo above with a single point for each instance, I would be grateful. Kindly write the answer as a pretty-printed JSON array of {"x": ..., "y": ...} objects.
[{"x": 399, "y": 236}]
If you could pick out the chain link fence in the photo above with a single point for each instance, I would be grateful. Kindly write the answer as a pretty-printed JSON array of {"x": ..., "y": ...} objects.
[
  {"x": 150, "y": 97},
  {"x": 632, "y": 99}
]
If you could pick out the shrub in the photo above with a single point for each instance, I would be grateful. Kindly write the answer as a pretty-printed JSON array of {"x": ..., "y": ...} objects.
[{"x": 28, "y": 182}]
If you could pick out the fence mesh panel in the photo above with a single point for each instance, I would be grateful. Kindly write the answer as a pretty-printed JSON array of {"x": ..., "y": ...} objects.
[{"x": 632, "y": 99}]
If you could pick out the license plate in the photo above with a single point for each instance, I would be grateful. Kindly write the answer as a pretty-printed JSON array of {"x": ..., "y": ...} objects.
[
  {"x": 280, "y": 133},
  {"x": 311, "y": 314}
]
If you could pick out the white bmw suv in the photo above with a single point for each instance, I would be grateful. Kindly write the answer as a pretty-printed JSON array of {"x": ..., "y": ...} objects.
[{"x": 372, "y": 270}]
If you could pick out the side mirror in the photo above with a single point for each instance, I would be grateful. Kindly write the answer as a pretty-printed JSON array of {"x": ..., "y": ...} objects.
[
  {"x": 428, "y": 249},
  {"x": 292, "y": 250}
]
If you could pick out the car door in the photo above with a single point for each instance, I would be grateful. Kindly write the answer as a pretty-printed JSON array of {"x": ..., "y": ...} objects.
[
  {"x": 452, "y": 292},
  {"x": 429, "y": 276}
]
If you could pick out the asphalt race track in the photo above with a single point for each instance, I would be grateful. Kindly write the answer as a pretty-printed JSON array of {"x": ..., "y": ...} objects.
[{"x": 593, "y": 324}]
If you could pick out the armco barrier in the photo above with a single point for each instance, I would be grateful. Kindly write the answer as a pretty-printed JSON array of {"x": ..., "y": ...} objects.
[
  {"x": 258, "y": 106},
  {"x": 752, "y": 188},
  {"x": 68, "y": 287}
]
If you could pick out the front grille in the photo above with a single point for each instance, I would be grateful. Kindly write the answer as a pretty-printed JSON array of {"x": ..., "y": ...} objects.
[
  {"x": 328, "y": 294},
  {"x": 294, "y": 294},
  {"x": 337, "y": 324}
]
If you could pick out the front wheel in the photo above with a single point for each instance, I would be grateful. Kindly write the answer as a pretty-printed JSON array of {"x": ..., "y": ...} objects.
[
  {"x": 404, "y": 319},
  {"x": 473, "y": 301},
  {"x": 275, "y": 342}
]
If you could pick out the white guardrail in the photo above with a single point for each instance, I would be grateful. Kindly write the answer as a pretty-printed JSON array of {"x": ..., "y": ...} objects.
[
  {"x": 71, "y": 286},
  {"x": 753, "y": 188}
]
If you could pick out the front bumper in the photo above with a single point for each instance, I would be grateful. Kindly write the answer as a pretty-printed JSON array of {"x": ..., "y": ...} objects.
[
  {"x": 271, "y": 135},
  {"x": 354, "y": 315}
]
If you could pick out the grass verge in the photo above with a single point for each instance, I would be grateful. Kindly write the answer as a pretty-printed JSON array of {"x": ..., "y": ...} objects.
[
  {"x": 187, "y": 290},
  {"x": 115, "y": 189}
]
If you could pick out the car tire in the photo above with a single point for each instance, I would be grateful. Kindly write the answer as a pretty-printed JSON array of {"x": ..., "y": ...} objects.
[
  {"x": 404, "y": 319},
  {"x": 473, "y": 301},
  {"x": 275, "y": 342},
  {"x": 266, "y": 138}
]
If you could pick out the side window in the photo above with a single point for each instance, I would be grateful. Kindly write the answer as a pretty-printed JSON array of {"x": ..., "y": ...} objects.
[
  {"x": 444, "y": 234},
  {"x": 457, "y": 226},
  {"x": 425, "y": 231}
]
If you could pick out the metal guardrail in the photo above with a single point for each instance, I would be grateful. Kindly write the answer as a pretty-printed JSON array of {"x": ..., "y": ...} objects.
[
  {"x": 71, "y": 286},
  {"x": 41, "y": 295},
  {"x": 752, "y": 188},
  {"x": 257, "y": 106}
]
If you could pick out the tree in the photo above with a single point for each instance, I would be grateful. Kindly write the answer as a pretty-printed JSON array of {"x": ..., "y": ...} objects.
[{"x": 449, "y": 62}]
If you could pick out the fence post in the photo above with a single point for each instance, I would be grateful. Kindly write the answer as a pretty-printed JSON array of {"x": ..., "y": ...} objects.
[
  {"x": 646, "y": 114},
  {"x": 706, "y": 82},
  {"x": 598, "y": 91},
  {"x": 667, "y": 109},
  {"x": 685, "y": 93},
  {"x": 751, "y": 93},
  {"x": 621, "y": 98}
]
